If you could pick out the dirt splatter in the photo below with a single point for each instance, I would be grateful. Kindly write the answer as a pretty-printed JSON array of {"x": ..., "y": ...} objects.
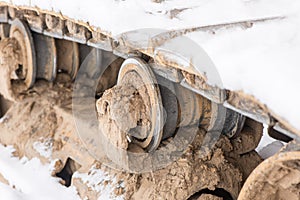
[
  {"x": 3, "y": 180},
  {"x": 123, "y": 112},
  {"x": 278, "y": 177},
  {"x": 249, "y": 137},
  {"x": 46, "y": 113},
  {"x": 8, "y": 65}
]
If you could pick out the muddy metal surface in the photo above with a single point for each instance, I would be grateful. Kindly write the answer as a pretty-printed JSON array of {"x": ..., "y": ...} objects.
[{"x": 44, "y": 116}]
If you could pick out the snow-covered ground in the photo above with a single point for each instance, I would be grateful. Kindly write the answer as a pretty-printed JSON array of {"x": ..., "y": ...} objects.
[
  {"x": 262, "y": 61},
  {"x": 118, "y": 16},
  {"x": 30, "y": 180}
]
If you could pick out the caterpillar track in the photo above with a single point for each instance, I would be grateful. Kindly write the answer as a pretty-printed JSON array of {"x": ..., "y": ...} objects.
[{"x": 146, "y": 106}]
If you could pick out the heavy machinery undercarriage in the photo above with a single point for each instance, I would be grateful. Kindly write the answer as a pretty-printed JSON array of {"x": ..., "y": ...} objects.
[{"x": 148, "y": 109}]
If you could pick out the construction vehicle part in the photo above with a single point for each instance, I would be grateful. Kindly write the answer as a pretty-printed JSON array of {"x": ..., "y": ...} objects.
[
  {"x": 278, "y": 177},
  {"x": 46, "y": 57},
  {"x": 27, "y": 70},
  {"x": 67, "y": 57},
  {"x": 56, "y": 24}
]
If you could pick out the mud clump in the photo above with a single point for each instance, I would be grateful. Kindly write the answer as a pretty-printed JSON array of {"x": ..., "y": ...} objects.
[
  {"x": 44, "y": 116},
  {"x": 124, "y": 112},
  {"x": 9, "y": 51},
  {"x": 121, "y": 111},
  {"x": 249, "y": 138},
  {"x": 278, "y": 177}
]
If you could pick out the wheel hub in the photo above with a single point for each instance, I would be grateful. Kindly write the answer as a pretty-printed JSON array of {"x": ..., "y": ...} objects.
[
  {"x": 132, "y": 110},
  {"x": 144, "y": 109},
  {"x": 26, "y": 70}
]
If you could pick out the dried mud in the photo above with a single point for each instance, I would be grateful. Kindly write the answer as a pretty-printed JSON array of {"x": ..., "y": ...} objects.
[
  {"x": 278, "y": 177},
  {"x": 44, "y": 116}
]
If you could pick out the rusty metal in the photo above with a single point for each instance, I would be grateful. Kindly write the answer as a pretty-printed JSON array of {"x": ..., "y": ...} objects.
[{"x": 197, "y": 85}]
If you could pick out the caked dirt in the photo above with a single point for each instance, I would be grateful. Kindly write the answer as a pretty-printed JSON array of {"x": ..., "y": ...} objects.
[
  {"x": 278, "y": 177},
  {"x": 43, "y": 115},
  {"x": 9, "y": 57},
  {"x": 127, "y": 112}
]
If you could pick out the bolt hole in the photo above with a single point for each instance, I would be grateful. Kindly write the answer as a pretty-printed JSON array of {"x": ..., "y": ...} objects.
[{"x": 67, "y": 172}]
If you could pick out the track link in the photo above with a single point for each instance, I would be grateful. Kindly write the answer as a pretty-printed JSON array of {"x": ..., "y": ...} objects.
[
  {"x": 61, "y": 27},
  {"x": 68, "y": 43}
]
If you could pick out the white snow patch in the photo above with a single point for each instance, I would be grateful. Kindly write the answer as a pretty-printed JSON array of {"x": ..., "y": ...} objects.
[
  {"x": 96, "y": 179},
  {"x": 44, "y": 147},
  {"x": 30, "y": 180},
  {"x": 8, "y": 193},
  {"x": 262, "y": 61},
  {"x": 125, "y": 15}
]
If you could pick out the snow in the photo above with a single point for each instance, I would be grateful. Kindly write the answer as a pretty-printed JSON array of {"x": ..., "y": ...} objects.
[
  {"x": 44, "y": 147},
  {"x": 9, "y": 193},
  {"x": 30, "y": 180},
  {"x": 262, "y": 61},
  {"x": 119, "y": 16},
  {"x": 95, "y": 179}
]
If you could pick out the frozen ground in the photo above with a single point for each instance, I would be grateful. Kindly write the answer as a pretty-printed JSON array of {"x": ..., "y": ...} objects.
[
  {"x": 30, "y": 180},
  {"x": 262, "y": 60}
]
